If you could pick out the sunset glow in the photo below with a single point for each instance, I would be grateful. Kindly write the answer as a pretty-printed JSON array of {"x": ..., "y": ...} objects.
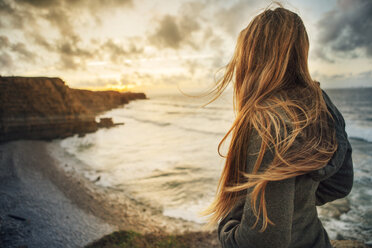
[{"x": 156, "y": 45}]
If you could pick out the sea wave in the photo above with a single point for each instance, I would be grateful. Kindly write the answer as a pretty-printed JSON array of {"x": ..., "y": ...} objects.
[
  {"x": 190, "y": 106},
  {"x": 180, "y": 126},
  {"x": 157, "y": 123},
  {"x": 202, "y": 131},
  {"x": 358, "y": 131}
]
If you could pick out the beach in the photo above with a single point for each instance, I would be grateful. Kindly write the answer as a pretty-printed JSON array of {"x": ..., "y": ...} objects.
[
  {"x": 59, "y": 209},
  {"x": 46, "y": 216}
]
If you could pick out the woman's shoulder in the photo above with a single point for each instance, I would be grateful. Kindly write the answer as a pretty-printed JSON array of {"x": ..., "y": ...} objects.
[{"x": 333, "y": 109}]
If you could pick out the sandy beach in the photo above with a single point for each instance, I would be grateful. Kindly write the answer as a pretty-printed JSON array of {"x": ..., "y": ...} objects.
[
  {"x": 46, "y": 216},
  {"x": 46, "y": 205}
]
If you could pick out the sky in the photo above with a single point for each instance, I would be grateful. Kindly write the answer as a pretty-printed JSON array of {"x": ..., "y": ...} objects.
[{"x": 161, "y": 46}]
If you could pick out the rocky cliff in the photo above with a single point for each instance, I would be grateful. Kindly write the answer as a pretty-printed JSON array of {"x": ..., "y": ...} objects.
[{"x": 46, "y": 108}]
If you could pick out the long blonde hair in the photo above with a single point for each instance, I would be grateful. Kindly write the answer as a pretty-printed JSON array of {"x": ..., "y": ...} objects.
[{"x": 272, "y": 87}]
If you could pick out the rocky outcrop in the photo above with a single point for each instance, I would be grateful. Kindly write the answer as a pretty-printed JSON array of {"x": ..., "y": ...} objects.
[
  {"x": 46, "y": 108},
  {"x": 98, "y": 101}
]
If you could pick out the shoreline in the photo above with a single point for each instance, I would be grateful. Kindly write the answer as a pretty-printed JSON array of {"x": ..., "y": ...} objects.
[
  {"x": 114, "y": 207},
  {"x": 37, "y": 187},
  {"x": 114, "y": 210},
  {"x": 33, "y": 210}
]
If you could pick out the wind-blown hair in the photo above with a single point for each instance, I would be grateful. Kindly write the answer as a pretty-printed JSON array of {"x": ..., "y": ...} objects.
[{"x": 276, "y": 99}]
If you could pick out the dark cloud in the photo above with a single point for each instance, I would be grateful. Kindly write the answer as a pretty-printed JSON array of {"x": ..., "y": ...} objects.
[
  {"x": 14, "y": 17},
  {"x": 6, "y": 61},
  {"x": 28, "y": 15},
  {"x": 39, "y": 40},
  {"x": 346, "y": 30},
  {"x": 23, "y": 14},
  {"x": 73, "y": 48},
  {"x": 168, "y": 33},
  {"x": 4, "y": 42},
  {"x": 236, "y": 17},
  {"x": 60, "y": 13},
  {"x": 61, "y": 19},
  {"x": 23, "y": 53},
  {"x": 69, "y": 49},
  {"x": 18, "y": 48},
  {"x": 176, "y": 31},
  {"x": 74, "y": 55},
  {"x": 40, "y": 3},
  {"x": 92, "y": 5},
  {"x": 69, "y": 63},
  {"x": 120, "y": 51},
  {"x": 321, "y": 54},
  {"x": 99, "y": 5}
]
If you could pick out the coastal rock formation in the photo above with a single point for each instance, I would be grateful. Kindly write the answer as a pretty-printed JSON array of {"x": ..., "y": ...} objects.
[
  {"x": 99, "y": 101},
  {"x": 46, "y": 108}
]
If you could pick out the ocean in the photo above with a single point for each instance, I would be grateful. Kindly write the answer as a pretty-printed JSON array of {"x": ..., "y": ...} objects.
[{"x": 165, "y": 155}]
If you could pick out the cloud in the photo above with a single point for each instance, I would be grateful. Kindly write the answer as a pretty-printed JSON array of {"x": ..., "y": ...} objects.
[
  {"x": 236, "y": 17},
  {"x": 14, "y": 16},
  {"x": 346, "y": 30},
  {"x": 4, "y": 42},
  {"x": 69, "y": 63},
  {"x": 71, "y": 47},
  {"x": 178, "y": 31},
  {"x": 21, "y": 50},
  {"x": 40, "y": 3},
  {"x": 174, "y": 32},
  {"x": 30, "y": 17},
  {"x": 18, "y": 48},
  {"x": 61, "y": 19},
  {"x": 342, "y": 80},
  {"x": 320, "y": 53},
  {"x": 6, "y": 61},
  {"x": 93, "y": 6},
  {"x": 119, "y": 51},
  {"x": 73, "y": 55},
  {"x": 39, "y": 40}
]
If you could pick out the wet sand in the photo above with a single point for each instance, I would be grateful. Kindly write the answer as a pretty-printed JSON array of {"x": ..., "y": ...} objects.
[{"x": 33, "y": 211}]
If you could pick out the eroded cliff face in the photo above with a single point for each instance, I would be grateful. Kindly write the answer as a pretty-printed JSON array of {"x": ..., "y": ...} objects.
[{"x": 45, "y": 108}]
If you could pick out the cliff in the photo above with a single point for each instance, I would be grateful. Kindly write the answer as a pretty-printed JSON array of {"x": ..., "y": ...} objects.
[
  {"x": 46, "y": 108},
  {"x": 98, "y": 101}
]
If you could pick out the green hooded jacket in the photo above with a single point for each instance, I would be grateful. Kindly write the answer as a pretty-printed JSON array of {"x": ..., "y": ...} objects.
[{"x": 291, "y": 203}]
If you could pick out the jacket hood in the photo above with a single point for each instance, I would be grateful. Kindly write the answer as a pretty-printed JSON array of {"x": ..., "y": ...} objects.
[{"x": 338, "y": 157}]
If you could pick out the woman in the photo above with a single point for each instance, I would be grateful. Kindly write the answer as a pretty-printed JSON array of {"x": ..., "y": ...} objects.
[{"x": 289, "y": 150}]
